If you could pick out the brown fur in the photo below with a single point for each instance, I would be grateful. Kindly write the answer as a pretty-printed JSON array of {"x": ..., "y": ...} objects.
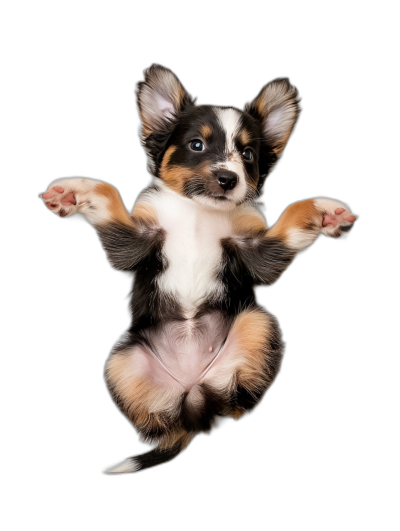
[
  {"x": 249, "y": 223},
  {"x": 302, "y": 215}
]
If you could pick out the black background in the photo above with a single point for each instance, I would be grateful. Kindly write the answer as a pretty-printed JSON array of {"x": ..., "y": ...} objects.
[{"x": 307, "y": 441}]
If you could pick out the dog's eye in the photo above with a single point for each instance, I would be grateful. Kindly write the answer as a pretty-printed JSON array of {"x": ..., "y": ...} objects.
[
  {"x": 197, "y": 145},
  {"x": 247, "y": 154}
]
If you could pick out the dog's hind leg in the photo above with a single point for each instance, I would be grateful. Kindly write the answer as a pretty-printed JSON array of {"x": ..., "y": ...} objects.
[
  {"x": 248, "y": 362},
  {"x": 151, "y": 399}
]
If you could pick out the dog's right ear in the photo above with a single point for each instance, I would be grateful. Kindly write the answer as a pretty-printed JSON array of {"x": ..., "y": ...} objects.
[{"x": 161, "y": 97}]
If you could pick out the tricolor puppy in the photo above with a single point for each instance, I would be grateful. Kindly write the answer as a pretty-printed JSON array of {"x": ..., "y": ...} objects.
[{"x": 198, "y": 345}]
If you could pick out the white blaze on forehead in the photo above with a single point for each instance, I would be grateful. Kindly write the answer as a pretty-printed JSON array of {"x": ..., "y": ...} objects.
[{"x": 229, "y": 120}]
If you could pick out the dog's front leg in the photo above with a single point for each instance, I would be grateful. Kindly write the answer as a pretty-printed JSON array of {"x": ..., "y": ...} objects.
[
  {"x": 303, "y": 221},
  {"x": 127, "y": 239},
  {"x": 269, "y": 253}
]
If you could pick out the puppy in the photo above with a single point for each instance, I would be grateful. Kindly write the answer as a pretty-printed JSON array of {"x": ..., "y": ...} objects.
[{"x": 198, "y": 345}]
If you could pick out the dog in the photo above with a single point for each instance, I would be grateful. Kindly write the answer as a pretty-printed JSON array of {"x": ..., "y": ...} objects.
[{"x": 199, "y": 345}]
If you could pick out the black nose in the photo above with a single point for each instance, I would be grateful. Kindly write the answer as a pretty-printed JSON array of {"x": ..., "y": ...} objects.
[{"x": 227, "y": 179}]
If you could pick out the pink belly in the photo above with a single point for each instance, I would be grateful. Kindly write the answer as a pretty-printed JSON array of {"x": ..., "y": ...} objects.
[{"x": 185, "y": 350}]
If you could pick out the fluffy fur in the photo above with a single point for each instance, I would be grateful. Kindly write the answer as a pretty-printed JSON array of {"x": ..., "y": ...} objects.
[{"x": 198, "y": 345}]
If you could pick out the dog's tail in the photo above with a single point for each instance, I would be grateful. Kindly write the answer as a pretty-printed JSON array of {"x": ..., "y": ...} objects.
[{"x": 163, "y": 453}]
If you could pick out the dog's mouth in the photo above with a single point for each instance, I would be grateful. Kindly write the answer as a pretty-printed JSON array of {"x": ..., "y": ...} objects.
[
  {"x": 209, "y": 189},
  {"x": 220, "y": 197},
  {"x": 218, "y": 201}
]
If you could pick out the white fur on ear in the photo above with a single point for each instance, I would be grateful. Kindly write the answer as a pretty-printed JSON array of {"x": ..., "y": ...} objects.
[
  {"x": 281, "y": 110},
  {"x": 277, "y": 123},
  {"x": 277, "y": 106},
  {"x": 165, "y": 107},
  {"x": 160, "y": 98}
]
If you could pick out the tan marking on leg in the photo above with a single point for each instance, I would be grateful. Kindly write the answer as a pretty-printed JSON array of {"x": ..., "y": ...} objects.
[
  {"x": 249, "y": 359},
  {"x": 250, "y": 331},
  {"x": 302, "y": 216},
  {"x": 244, "y": 357},
  {"x": 115, "y": 205},
  {"x": 146, "y": 213},
  {"x": 145, "y": 402},
  {"x": 248, "y": 223}
]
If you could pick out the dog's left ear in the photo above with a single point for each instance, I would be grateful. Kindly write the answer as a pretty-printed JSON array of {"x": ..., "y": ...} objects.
[{"x": 277, "y": 108}]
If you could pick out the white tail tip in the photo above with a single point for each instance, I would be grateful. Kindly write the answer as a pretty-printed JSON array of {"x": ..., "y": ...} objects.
[{"x": 129, "y": 465}]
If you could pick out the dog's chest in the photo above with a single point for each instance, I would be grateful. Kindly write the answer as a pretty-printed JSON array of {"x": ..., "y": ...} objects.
[{"x": 192, "y": 250}]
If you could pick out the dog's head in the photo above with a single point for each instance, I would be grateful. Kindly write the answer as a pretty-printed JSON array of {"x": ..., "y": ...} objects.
[{"x": 219, "y": 156}]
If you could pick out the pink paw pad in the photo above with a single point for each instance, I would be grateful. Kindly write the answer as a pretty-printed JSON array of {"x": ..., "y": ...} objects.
[
  {"x": 338, "y": 218},
  {"x": 56, "y": 199},
  {"x": 68, "y": 199}
]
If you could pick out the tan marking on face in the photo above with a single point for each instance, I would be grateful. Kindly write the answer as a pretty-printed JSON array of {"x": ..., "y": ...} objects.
[
  {"x": 244, "y": 137},
  {"x": 115, "y": 205},
  {"x": 248, "y": 223},
  {"x": 297, "y": 216},
  {"x": 174, "y": 176},
  {"x": 206, "y": 131}
]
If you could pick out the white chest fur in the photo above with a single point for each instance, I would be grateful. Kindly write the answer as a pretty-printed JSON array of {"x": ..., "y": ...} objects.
[{"x": 192, "y": 248}]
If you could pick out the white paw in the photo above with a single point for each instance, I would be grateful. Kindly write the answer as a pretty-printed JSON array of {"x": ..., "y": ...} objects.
[
  {"x": 66, "y": 196},
  {"x": 336, "y": 218}
]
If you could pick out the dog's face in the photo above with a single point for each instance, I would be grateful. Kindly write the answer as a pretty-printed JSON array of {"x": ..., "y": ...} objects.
[{"x": 219, "y": 156}]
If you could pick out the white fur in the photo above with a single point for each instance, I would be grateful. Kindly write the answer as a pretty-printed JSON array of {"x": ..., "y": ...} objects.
[
  {"x": 329, "y": 206},
  {"x": 164, "y": 106},
  {"x": 299, "y": 239},
  {"x": 94, "y": 206},
  {"x": 192, "y": 248},
  {"x": 278, "y": 102},
  {"x": 229, "y": 120},
  {"x": 129, "y": 465}
]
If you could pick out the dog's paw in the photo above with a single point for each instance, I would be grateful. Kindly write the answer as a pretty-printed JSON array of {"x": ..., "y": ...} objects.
[
  {"x": 61, "y": 199},
  {"x": 336, "y": 219},
  {"x": 67, "y": 196}
]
